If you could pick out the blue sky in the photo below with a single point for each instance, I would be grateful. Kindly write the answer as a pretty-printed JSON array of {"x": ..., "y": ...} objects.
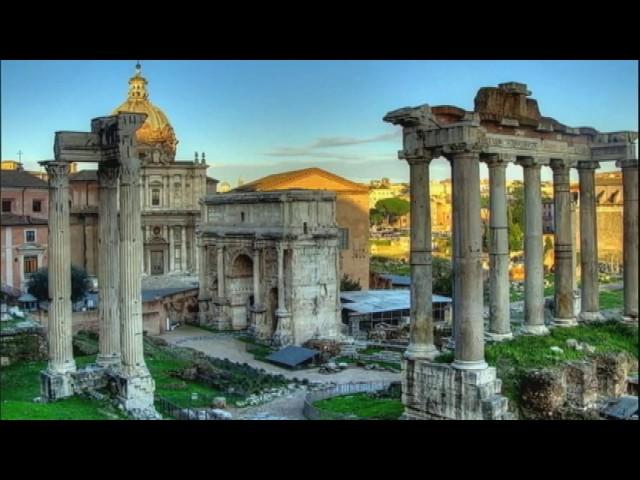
[{"x": 253, "y": 118}]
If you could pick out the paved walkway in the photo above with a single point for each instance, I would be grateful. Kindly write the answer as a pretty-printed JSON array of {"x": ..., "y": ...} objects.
[{"x": 289, "y": 407}]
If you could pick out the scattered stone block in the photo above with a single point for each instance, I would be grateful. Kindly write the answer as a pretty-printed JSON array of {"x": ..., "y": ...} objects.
[
  {"x": 625, "y": 408},
  {"x": 220, "y": 402},
  {"x": 557, "y": 350}
]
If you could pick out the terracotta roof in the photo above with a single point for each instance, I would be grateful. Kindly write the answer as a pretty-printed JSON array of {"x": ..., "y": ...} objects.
[
  {"x": 10, "y": 219},
  {"x": 272, "y": 182},
  {"x": 17, "y": 178},
  {"x": 84, "y": 176}
]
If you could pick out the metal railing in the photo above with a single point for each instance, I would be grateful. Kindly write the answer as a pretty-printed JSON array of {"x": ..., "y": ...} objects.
[{"x": 312, "y": 412}]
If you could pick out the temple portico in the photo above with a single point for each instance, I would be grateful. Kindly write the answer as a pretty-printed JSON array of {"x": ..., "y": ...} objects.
[
  {"x": 120, "y": 361},
  {"x": 505, "y": 126}
]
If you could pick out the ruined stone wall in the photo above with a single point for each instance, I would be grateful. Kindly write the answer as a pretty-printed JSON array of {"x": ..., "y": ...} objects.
[{"x": 22, "y": 344}]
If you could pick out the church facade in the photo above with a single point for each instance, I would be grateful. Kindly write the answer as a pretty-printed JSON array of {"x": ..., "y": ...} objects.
[{"x": 170, "y": 190}]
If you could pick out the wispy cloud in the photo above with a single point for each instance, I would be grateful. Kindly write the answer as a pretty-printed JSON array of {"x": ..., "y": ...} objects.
[{"x": 311, "y": 150}]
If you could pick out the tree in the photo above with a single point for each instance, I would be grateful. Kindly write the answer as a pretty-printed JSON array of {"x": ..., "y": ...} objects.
[
  {"x": 442, "y": 273},
  {"x": 375, "y": 217},
  {"x": 347, "y": 284},
  {"x": 393, "y": 208},
  {"x": 38, "y": 284}
]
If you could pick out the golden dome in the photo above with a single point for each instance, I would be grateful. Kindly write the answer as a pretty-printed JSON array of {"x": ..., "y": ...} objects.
[{"x": 156, "y": 129}]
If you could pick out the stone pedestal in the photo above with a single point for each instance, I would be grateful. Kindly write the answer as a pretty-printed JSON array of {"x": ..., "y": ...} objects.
[
  {"x": 435, "y": 391},
  {"x": 135, "y": 395},
  {"x": 55, "y": 385},
  {"x": 282, "y": 337},
  {"x": 257, "y": 325}
]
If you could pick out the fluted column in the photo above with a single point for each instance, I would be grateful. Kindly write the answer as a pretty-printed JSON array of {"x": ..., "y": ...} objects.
[
  {"x": 133, "y": 364},
  {"x": 282, "y": 336},
  {"x": 61, "y": 360},
  {"x": 108, "y": 266},
  {"x": 590, "y": 291},
  {"x": 499, "y": 317},
  {"x": 564, "y": 315},
  {"x": 257, "y": 299},
  {"x": 183, "y": 247},
  {"x": 469, "y": 350},
  {"x": 220, "y": 266},
  {"x": 630, "y": 237},
  {"x": 421, "y": 329},
  {"x": 533, "y": 249}
]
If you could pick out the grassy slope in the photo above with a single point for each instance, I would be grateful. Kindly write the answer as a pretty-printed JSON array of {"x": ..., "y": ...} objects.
[{"x": 525, "y": 352}]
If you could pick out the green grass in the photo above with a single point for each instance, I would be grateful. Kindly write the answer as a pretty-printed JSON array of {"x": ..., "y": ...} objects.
[
  {"x": 20, "y": 384},
  {"x": 611, "y": 299},
  {"x": 363, "y": 406},
  {"x": 259, "y": 351},
  {"x": 371, "y": 350},
  {"x": 524, "y": 352}
]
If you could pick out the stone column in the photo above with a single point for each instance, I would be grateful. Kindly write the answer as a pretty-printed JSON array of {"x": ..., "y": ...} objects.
[
  {"x": 133, "y": 364},
  {"x": 56, "y": 380},
  {"x": 172, "y": 248},
  {"x": 590, "y": 291},
  {"x": 220, "y": 265},
  {"x": 282, "y": 336},
  {"x": 533, "y": 250},
  {"x": 108, "y": 266},
  {"x": 257, "y": 299},
  {"x": 499, "y": 317},
  {"x": 421, "y": 333},
  {"x": 630, "y": 238},
  {"x": 469, "y": 352},
  {"x": 183, "y": 247},
  {"x": 196, "y": 253},
  {"x": 564, "y": 315}
]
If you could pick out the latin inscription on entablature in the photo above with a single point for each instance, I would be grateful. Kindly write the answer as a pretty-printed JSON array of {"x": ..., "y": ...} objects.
[{"x": 536, "y": 147}]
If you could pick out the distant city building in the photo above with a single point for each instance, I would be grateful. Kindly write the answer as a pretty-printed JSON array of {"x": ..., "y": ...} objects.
[
  {"x": 352, "y": 213},
  {"x": 23, "y": 227},
  {"x": 224, "y": 187}
]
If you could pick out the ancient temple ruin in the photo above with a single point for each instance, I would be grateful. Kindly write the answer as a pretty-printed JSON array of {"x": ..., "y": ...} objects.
[
  {"x": 270, "y": 265},
  {"x": 505, "y": 126},
  {"x": 120, "y": 363}
]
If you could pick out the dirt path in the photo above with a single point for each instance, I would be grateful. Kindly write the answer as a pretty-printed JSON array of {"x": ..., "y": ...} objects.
[{"x": 288, "y": 407}]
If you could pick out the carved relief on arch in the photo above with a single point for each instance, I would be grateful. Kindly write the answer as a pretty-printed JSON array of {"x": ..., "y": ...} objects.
[{"x": 241, "y": 264}]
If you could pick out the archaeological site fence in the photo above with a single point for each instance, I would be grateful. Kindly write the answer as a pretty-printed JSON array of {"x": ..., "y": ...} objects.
[{"x": 312, "y": 412}]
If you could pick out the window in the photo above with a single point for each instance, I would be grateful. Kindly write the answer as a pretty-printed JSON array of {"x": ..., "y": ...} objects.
[
  {"x": 242, "y": 216},
  {"x": 6, "y": 206},
  {"x": 30, "y": 264},
  {"x": 155, "y": 197},
  {"x": 343, "y": 238},
  {"x": 37, "y": 206},
  {"x": 30, "y": 235}
]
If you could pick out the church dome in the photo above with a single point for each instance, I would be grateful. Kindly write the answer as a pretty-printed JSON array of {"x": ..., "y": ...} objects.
[{"x": 156, "y": 131}]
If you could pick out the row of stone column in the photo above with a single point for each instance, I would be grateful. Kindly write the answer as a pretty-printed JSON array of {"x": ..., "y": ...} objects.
[
  {"x": 119, "y": 272},
  {"x": 467, "y": 297}
]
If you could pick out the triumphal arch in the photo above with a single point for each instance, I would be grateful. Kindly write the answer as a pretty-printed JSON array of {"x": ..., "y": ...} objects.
[
  {"x": 120, "y": 364},
  {"x": 504, "y": 126}
]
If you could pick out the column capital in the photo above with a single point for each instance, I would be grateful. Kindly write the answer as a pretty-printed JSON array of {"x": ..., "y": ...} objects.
[
  {"x": 528, "y": 162},
  {"x": 629, "y": 163},
  {"x": 587, "y": 165},
  {"x": 453, "y": 149},
  {"x": 560, "y": 164},
  {"x": 496, "y": 159},
  {"x": 108, "y": 174},
  {"x": 58, "y": 173}
]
